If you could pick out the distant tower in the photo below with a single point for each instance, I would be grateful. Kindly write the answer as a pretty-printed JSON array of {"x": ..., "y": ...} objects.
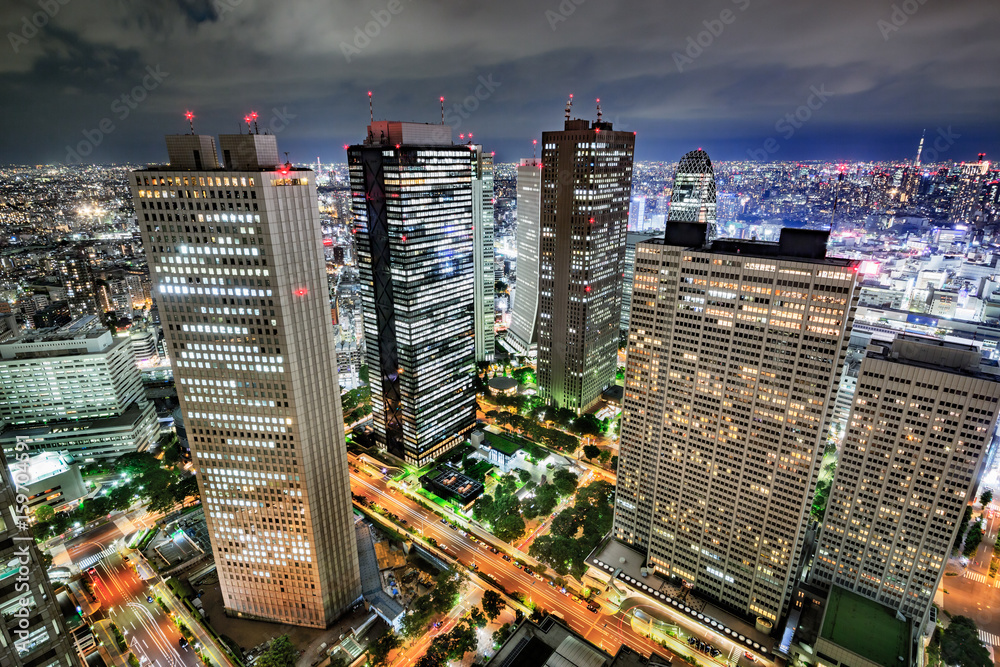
[
  {"x": 523, "y": 331},
  {"x": 920, "y": 149},
  {"x": 693, "y": 196},
  {"x": 483, "y": 252}
]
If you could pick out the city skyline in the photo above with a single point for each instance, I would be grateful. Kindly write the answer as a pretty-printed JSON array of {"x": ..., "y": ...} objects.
[{"x": 734, "y": 77}]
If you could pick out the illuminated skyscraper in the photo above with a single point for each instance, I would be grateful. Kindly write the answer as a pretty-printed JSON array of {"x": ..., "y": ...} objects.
[
  {"x": 413, "y": 206},
  {"x": 923, "y": 417},
  {"x": 586, "y": 187},
  {"x": 734, "y": 348},
  {"x": 693, "y": 196},
  {"x": 236, "y": 260},
  {"x": 631, "y": 240},
  {"x": 523, "y": 331},
  {"x": 483, "y": 252}
]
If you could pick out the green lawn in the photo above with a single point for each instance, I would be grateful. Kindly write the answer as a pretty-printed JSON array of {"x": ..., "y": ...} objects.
[
  {"x": 865, "y": 627},
  {"x": 503, "y": 444}
]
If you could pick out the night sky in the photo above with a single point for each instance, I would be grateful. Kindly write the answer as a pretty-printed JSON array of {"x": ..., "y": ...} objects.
[{"x": 720, "y": 74}]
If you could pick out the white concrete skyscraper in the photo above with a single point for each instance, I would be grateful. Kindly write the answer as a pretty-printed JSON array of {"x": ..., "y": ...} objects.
[
  {"x": 586, "y": 186},
  {"x": 523, "y": 331},
  {"x": 734, "y": 349},
  {"x": 483, "y": 252},
  {"x": 236, "y": 262},
  {"x": 923, "y": 418},
  {"x": 413, "y": 202}
]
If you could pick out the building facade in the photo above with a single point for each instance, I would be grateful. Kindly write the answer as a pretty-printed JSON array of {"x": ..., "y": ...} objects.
[
  {"x": 523, "y": 331},
  {"x": 923, "y": 418},
  {"x": 32, "y": 629},
  {"x": 631, "y": 240},
  {"x": 236, "y": 261},
  {"x": 76, "y": 388},
  {"x": 734, "y": 350},
  {"x": 586, "y": 187},
  {"x": 483, "y": 252},
  {"x": 413, "y": 207}
]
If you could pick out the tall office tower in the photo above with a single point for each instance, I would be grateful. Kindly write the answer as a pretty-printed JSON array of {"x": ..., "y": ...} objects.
[
  {"x": 586, "y": 187},
  {"x": 523, "y": 331},
  {"x": 74, "y": 270},
  {"x": 637, "y": 214},
  {"x": 693, "y": 196},
  {"x": 733, "y": 355},
  {"x": 726, "y": 208},
  {"x": 631, "y": 240},
  {"x": 923, "y": 417},
  {"x": 240, "y": 282},
  {"x": 413, "y": 205},
  {"x": 33, "y": 631},
  {"x": 74, "y": 389},
  {"x": 920, "y": 149},
  {"x": 483, "y": 252}
]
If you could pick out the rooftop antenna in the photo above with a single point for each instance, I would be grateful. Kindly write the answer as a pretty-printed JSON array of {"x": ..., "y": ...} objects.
[
  {"x": 569, "y": 105},
  {"x": 190, "y": 116},
  {"x": 253, "y": 117},
  {"x": 534, "y": 145},
  {"x": 442, "y": 109},
  {"x": 599, "y": 114},
  {"x": 371, "y": 109},
  {"x": 246, "y": 119},
  {"x": 470, "y": 138}
]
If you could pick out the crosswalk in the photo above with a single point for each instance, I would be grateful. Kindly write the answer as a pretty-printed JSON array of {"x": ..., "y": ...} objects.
[
  {"x": 975, "y": 576},
  {"x": 90, "y": 560},
  {"x": 989, "y": 638}
]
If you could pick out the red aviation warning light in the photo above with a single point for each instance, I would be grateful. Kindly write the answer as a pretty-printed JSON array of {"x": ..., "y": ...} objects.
[
  {"x": 302, "y": 291},
  {"x": 190, "y": 119},
  {"x": 587, "y": 288}
]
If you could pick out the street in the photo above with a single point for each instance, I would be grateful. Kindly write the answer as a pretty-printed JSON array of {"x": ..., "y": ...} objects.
[
  {"x": 607, "y": 631},
  {"x": 150, "y": 631},
  {"x": 969, "y": 591}
]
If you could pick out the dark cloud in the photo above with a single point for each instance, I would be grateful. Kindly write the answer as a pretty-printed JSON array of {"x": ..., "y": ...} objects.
[{"x": 722, "y": 74}]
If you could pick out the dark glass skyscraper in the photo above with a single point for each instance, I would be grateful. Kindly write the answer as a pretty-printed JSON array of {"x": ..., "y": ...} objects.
[
  {"x": 413, "y": 206},
  {"x": 586, "y": 187}
]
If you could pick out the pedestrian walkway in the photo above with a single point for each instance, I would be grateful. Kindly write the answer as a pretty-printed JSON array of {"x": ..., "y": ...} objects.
[
  {"x": 989, "y": 638},
  {"x": 60, "y": 556},
  {"x": 124, "y": 525},
  {"x": 975, "y": 576},
  {"x": 90, "y": 560}
]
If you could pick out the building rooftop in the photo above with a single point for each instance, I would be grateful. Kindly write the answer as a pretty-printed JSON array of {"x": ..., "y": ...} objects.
[
  {"x": 43, "y": 466},
  {"x": 502, "y": 383},
  {"x": 933, "y": 354},
  {"x": 799, "y": 245},
  {"x": 865, "y": 627}
]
